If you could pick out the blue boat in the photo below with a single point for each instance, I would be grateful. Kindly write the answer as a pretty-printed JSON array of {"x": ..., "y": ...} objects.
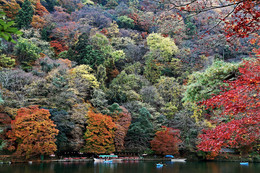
[
  {"x": 169, "y": 156},
  {"x": 108, "y": 161},
  {"x": 244, "y": 163},
  {"x": 159, "y": 165}
]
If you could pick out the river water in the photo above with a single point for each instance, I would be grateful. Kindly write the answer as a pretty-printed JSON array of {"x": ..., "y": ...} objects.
[{"x": 131, "y": 167}]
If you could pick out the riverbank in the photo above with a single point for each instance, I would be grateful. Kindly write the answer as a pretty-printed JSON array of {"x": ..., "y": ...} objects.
[
  {"x": 9, "y": 161},
  {"x": 226, "y": 157}
]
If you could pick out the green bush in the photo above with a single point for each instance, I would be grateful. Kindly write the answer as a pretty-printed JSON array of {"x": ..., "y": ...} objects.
[
  {"x": 125, "y": 22},
  {"x": 26, "y": 53},
  {"x": 6, "y": 62}
]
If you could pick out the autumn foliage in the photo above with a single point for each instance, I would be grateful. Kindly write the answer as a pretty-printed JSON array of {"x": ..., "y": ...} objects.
[
  {"x": 40, "y": 9},
  {"x": 38, "y": 22},
  {"x": 58, "y": 46},
  {"x": 11, "y": 8},
  {"x": 245, "y": 19},
  {"x": 240, "y": 110},
  {"x": 122, "y": 125},
  {"x": 166, "y": 141},
  {"x": 100, "y": 134},
  {"x": 33, "y": 133}
]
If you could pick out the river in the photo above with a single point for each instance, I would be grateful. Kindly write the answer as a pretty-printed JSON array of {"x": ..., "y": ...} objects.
[{"x": 131, "y": 167}]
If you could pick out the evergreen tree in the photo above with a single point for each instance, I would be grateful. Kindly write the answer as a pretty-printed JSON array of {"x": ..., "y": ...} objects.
[
  {"x": 1, "y": 99},
  {"x": 25, "y": 14},
  {"x": 84, "y": 53},
  {"x": 140, "y": 132}
]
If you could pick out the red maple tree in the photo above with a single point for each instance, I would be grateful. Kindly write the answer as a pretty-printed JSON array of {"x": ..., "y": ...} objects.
[
  {"x": 58, "y": 46},
  {"x": 245, "y": 18},
  {"x": 240, "y": 110},
  {"x": 166, "y": 141}
]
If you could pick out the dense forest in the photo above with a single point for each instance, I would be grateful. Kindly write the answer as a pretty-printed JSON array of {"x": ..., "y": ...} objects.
[{"x": 140, "y": 76}]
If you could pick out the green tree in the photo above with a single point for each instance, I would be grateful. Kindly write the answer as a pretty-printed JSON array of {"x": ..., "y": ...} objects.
[
  {"x": 25, "y": 14},
  {"x": 117, "y": 55},
  {"x": 186, "y": 123},
  {"x": 101, "y": 76},
  {"x": 165, "y": 46},
  {"x": 65, "y": 125},
  {"x": 101, "y": 42},
  {"x": 84, "y": 53},
  {"x": 2, "y": 142},
  {"x": 6, "y": 28},
  {"x": 125, "y": 22},
  {"x": 152, "y": 70},
  {"x": 26, "y": 52},
  {"x": 126, "y": 87},
  {"x": 1, "y": 99},
  {"x": 140, "y": 132},
  {"x": 171, "y": 92},
  {"x": 201, "y": 85},
  {"x": 190, "y": 27},
  {"x": 112, "y": 4},
  {"x": 99, "y": 101}
]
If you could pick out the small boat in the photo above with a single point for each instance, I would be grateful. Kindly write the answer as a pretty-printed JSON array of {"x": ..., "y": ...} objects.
[
  {"x": 159, "y": 165},
  {"x": 178, "y": 160},
  {"x": 169, "y": 156},
  {"x": 107, "y": 158},
  {"x": 108, "y": 161},
  {"x": 244, "y": 163}
]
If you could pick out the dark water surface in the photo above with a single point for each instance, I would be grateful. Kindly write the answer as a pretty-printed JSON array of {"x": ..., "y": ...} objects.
[{"x": 131, "y": 167}]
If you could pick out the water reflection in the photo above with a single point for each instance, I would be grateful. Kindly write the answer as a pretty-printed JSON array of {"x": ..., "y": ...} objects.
[{"x": 131, "y": 167}]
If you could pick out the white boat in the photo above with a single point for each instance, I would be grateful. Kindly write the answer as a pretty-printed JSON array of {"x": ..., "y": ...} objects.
[
  {"x": 178, "y": 160},
  {"x": 99, "y": 160},
  {"x": 107, "y": 160}
]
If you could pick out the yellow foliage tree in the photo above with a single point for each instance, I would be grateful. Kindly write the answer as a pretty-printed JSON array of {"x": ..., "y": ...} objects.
[
  {"x": 82, "y": 80},
  {"x": 165, "y": 46}
]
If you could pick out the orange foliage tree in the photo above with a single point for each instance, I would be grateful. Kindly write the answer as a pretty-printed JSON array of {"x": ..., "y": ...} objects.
[
  {"x": 67, "y": 62},
  {"x": 33, "y": 133},
  {"x": 38, "y": 22},
  {"x": 11, "y": 8},
  {"x": 166, "y": 141},
  {"x": 40, "y": 9},
  {"x": 100, "y": 134}
]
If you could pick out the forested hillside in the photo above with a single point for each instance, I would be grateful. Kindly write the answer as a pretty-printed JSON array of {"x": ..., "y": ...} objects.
[{"x": 139, "y": 76}]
